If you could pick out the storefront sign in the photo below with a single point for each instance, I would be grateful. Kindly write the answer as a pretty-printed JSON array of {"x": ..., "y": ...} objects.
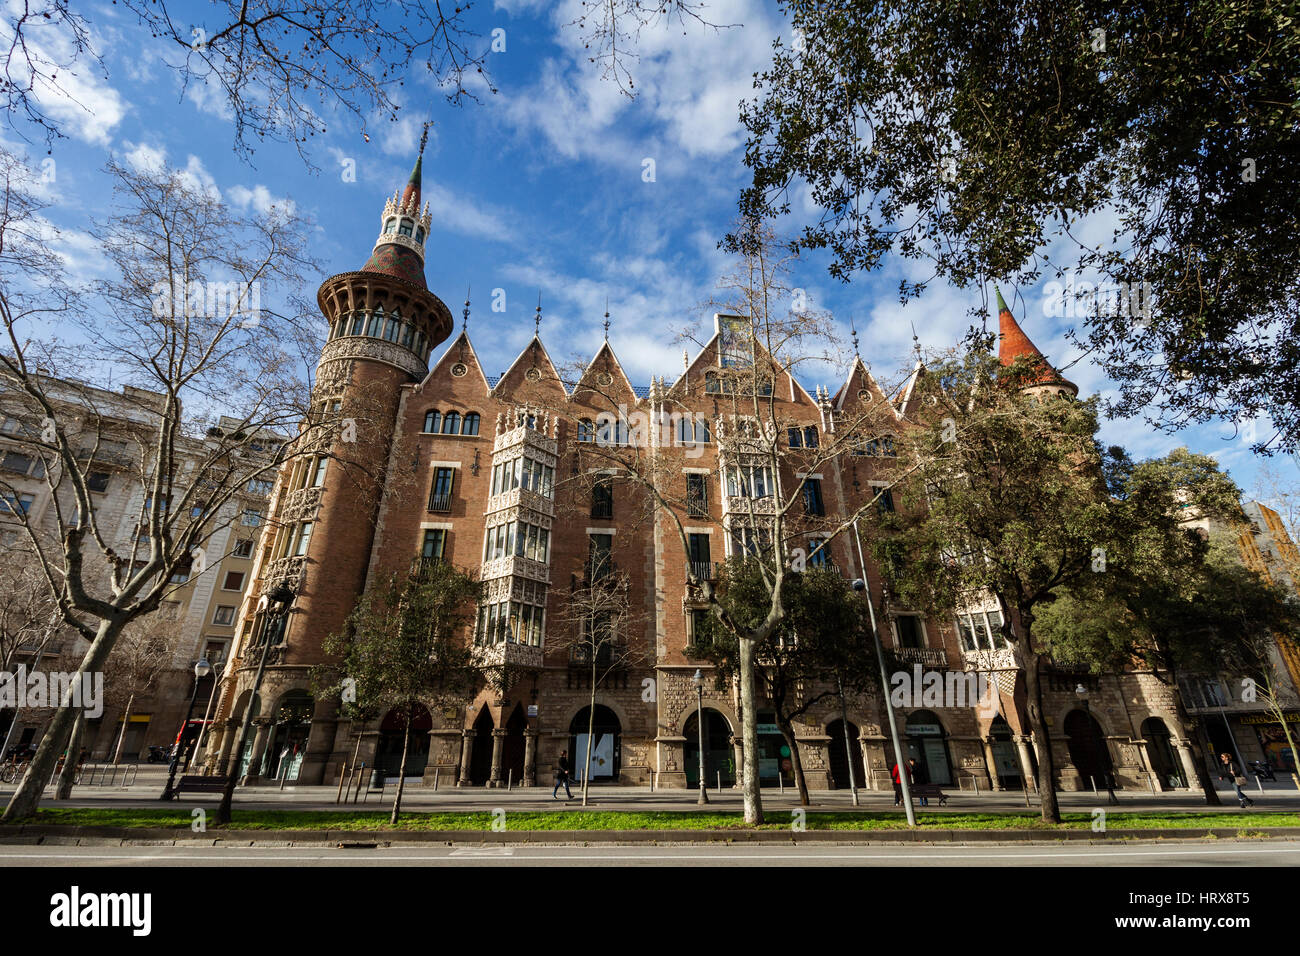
[
  {"x": 1291, "y": 718},
  {"x": 769, "y": 729},
  {"x": 924, "y": 730}
]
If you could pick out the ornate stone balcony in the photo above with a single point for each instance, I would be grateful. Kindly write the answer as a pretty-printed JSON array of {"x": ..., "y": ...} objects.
[
  {"x": 515, "y": 566},
  {"x": 740, "y": 505},
  {"x": 1002, "y": 659},
  {"x": 291, "y": 571},
  {"x": 527, "y": 439},
  {"x": 300, "y": 505},
  {"x": 506, "y": 654},
  {"x": 925, "y": 656},
  {"x": 522, "y": 499}
]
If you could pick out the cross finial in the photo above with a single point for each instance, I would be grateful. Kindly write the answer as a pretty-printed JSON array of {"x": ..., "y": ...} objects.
[
  {"x": 606, "y": 318},
  {"x": 854, "y": 329},
  {"x": 537, "y": 319},
  {"x": 916, "y": 342},
  {"x": 424, "y": 135},
  {"x": 464, "y": 316}
]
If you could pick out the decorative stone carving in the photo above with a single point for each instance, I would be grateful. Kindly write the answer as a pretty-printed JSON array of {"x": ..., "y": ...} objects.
[{"x": 377, "y": 350}]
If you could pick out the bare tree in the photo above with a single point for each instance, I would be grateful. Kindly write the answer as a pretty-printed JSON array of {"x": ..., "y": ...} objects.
[
  {"x": 598, "y": 625},
  {"x": 200, "y": 329}
]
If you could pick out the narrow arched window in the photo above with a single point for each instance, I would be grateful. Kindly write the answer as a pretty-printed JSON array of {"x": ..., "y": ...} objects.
[
  {"x": 470, "y": 425},
  {"x": 405, "y": 228},
  {"x": 419, "y": 234},
  {"x": 586, "y": 430},
  {"x": 451, "y": 423},
  {"x": 431, "y": 422},
  {"x": 390, "y": 226}
]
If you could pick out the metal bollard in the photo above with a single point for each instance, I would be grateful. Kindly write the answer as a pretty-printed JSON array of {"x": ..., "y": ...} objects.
[
  {"x": 780, "y": 780},
  {"x": 719, "y": 780},
  {"x": 437, "y": 771},
  {"x": 510, "y": 778}
]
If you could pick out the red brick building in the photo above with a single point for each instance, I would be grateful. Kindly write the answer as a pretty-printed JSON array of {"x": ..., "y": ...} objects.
[{"x": 503, "y": 476}]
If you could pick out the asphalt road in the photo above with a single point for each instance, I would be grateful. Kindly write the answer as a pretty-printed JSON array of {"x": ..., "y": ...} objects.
[{"x": 1222, "y": 853}]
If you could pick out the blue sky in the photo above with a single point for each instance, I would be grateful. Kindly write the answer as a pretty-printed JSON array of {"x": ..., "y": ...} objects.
[{"x": 541, "y": 187}]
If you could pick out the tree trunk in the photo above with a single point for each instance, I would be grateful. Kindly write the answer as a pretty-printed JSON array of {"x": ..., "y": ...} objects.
[
  {"x": 27, "y": 797},
  {"x": 121, "y": 737},
  {"x": 591, "y": 725},
  {"x": 70, "y": 761},
  {"x": 749, "y": 730},
  {"x": 787, "y": 732},
  {"x": 1042, "y": 741},
  {"x": 401, "y": 772},
  {"x": 1194, "y": 743}
]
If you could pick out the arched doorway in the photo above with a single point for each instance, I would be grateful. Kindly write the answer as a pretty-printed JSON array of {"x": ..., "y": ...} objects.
[
  {"x": 1007, "y": 761},
  {"x": 480, "y": 761},
  {"x": 927, "y": 744},
  {"x": 839, "y": 757},
  {"x": 1088, "y": 750},
  {"x": 1160, "y": 751},
  {"x": 606, "y": 746},
  {"x": 718, "y": 755},
  {"x": 392, "y": 737},
  {"x": 289, "y": 737},
  {"x": 246, "y": 754},
  {"x": 512, "y": 753}
]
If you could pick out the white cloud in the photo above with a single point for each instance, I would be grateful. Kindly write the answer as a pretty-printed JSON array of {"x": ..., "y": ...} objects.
[
  {"x": 260, "y": 199},
  {"x": 196, "y": 177},
  {"x": 209, "y": 98},
  {"x": 79, "y": 100},
  {"x": 144, "y": 157}
]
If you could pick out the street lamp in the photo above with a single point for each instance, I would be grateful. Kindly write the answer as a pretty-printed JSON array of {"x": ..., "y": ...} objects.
[
  {"x": 860, "y": 584},
  {"x": 201, "y": 670},
  {"x": 698, "y": 681},
  {"x": 276, "y": 607},
  {"x": 1082, "y": 693}
]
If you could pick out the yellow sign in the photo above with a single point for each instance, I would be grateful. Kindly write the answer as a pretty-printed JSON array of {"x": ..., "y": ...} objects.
[{"x": 1291, "y": 718}]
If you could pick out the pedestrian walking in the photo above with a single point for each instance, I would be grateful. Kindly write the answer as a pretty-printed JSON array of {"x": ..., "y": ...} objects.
[
  {"x": 562, "y": 776},
  {"x": 918, "y": 774},
  {"x": 1228, "y": 770}
]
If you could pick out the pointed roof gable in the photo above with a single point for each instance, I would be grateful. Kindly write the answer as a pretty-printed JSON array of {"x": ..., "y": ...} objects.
[
  {"x": 534, "y": 355},
  {"x": 606, "y": 361},
  {"x": 1014, "y": 345},
  {"x": 460, "y": 352}
]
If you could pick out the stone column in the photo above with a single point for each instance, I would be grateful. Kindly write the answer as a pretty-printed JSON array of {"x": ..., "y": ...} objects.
[
  {"x": 466, "y": 752},
  {"x": 991, "y": 759},
  {"x": 498, "y": 744},
  {"x": 263, "y": 725},
  {"x": 227, "y": 745},
  {"x": 530, "y": 757},
  {"x": 1189, "y": 762},
  {"x": 738, "y": 745},
  {"x": 1026, "y": 762},
  {"x": 1144, "y": 759}
]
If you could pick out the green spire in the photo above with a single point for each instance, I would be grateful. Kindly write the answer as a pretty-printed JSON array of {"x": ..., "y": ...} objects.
[
  {"x": 1002, "y": 305},
  {"x": 415, "y": 172}
]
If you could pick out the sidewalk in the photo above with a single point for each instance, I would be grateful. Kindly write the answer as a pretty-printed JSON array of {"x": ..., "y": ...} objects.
[{"x": 149, "y": 783}]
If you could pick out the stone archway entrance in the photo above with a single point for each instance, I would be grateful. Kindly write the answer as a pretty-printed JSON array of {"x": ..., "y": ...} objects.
[
  {"x": 718, "y": 753},
  {"x": 926, "y": 742},
  {"x": 606, "y": 744},
  {"x": 289, "y": 737},
  {"x": 1088, "y": 751},
  {"x": 392, "y": 737},
  {"x": 512, "y": 750},
  {"x": 1160, "y": 751},
  {"x": 480, "y": 761},
  {"x": 839, "y": 757}
]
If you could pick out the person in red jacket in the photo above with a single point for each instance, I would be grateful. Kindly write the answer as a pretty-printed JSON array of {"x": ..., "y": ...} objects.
[{"x": 898, "y": 785}]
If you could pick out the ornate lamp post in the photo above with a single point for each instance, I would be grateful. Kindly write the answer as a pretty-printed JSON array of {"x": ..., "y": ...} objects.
[
  {"x": 201, "y": 670},
  {"x": 277, "y": 614},
  {"x": 698, "y": 680}
]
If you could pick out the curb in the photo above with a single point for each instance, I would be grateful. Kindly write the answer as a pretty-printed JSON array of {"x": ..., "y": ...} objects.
[{"x": 41, "y": 835}]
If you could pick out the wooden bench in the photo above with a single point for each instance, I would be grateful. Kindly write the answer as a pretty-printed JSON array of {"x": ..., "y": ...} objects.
[
  {"x": 197, "y": 784},
  {"x": 928, "y": 790}
]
